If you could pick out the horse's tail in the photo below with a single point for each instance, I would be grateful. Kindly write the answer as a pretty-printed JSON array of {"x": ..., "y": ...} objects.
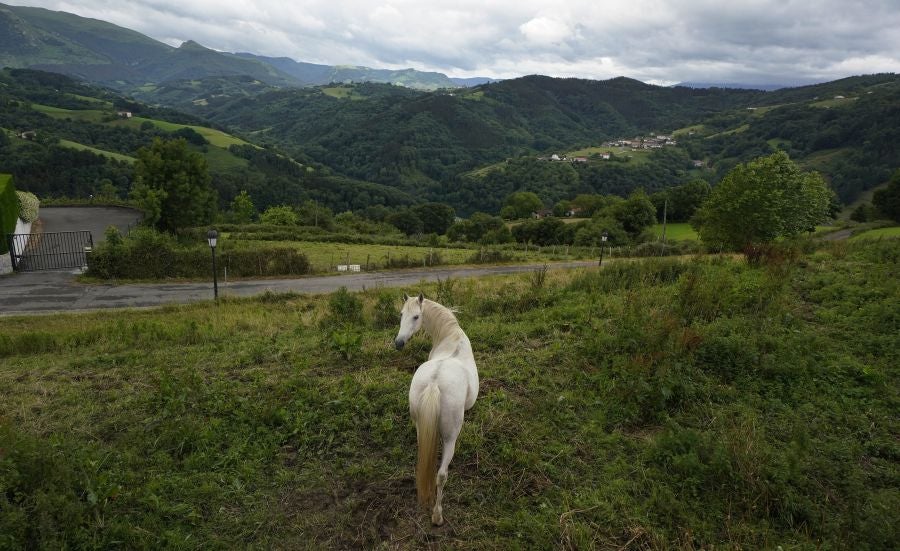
[{"x": 427, "y": 418}]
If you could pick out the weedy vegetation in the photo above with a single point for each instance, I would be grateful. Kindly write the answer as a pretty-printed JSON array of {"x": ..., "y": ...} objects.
[{"x": 655, "y": 404}]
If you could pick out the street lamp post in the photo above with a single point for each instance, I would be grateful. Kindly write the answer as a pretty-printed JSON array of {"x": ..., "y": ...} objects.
[
  {"x": 603, "y": 237},
  {"x": 212, "y": 236}
]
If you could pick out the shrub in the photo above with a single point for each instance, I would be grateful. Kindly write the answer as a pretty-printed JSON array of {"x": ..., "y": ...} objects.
[
  {"x": 282, "y": 215},
  {"x": 344, "y": 308},
  {"x": 28, "y": 206},
  {"x": 347, "y": 341},
  {"x": 9, "y": 209},
  {"x": 386, "y": 312},
  {"x": 148, "y": 254}
]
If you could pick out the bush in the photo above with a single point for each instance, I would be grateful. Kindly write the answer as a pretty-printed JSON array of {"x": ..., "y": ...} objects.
[
  {"x": 282, "y": 215},
  {"x": 28, "y": 206},
  {"x": 344, "y": 308},
  {"x": 148, "y": 254},
  {"x": 386, "y": 311}
]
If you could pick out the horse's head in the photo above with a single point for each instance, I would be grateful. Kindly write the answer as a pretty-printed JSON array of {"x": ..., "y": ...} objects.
[{"x": 410, "y": 319}]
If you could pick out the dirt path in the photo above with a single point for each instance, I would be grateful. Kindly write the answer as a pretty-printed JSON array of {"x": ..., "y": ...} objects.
[{"x": 839, "y": 235}]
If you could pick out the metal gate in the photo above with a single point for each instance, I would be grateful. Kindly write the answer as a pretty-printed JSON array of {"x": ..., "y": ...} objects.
[{"x": 32, "y": 252}]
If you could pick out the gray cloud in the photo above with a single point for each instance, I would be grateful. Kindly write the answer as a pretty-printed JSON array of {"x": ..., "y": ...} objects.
[{"x": 658, "y": 41}]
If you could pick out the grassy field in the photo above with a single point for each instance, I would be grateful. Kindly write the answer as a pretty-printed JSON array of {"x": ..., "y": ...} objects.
[
  {"x": 639, "y": 156},
  {"x": 678, "y": 231},
  {"x": 342, "y": 92},
  {"x": 91, "y": 115},
  {"x": 324, "y": 256},
  {"x": 878, "y": 233},
  {"x": 651, "y": 405},
  {"x": 110, "y": 154},
  {"x": 215, "y": 137}
]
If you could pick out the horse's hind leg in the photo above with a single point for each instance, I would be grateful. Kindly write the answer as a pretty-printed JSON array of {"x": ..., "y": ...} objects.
[{"x": 450, "y": 427}]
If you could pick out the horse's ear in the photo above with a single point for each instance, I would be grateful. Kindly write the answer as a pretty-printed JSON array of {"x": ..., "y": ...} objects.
[
  {"x": 421, "y": 297},
  {"x": 405, "y": 297}
]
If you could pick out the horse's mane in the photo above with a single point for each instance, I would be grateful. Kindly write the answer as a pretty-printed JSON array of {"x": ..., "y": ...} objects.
[{"x": 440, "y": 319}]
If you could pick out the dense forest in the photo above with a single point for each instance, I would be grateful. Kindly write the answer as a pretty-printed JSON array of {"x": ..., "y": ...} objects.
[
  {"x": 350, "y": 147},
  {"x": 61, "y": 138},
  {"x": 426, "y": 143}
]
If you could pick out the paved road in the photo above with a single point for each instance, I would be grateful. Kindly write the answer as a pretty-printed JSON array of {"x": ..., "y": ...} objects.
[
  {"x": 92, "y": 219},
  {"x": 50, "y": 292}
]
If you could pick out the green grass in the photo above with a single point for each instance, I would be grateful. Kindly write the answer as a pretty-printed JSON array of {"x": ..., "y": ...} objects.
[
  {"x": 90, "y": 115},
  {"x": 830, "y": 103},
  {"x": 696, "y": 129},
  {"x": 650, "y": 405},
  {"x": 678, "y": 231},
  {"x": 221, "y": 159},
  {"x": 324, "y": 256},
  {"x": 640, "y": 156},
  {"x": 104, "y": 103},
  {"x": 342, "y": 92},
  {"x": 737, "y": 130},
  {"x": 215, "y": 137},
  {"x": 879, "y": 233},
  {"x": 110, "y": 154}
]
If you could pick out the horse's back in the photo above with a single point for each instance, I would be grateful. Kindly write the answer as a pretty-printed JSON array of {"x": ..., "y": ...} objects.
[{"x": 452, "y": 376}]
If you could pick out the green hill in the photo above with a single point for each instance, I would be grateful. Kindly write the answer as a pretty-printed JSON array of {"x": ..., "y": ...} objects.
[
  {"x": 437, "y": 144},
  {"x": 101, "y": 52},
  {"x": 98, "y": 51},
  {"x": 64, "y": 139}
]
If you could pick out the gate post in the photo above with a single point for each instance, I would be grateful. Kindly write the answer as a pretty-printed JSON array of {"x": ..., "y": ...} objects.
[{"x": 11, "y": 243}]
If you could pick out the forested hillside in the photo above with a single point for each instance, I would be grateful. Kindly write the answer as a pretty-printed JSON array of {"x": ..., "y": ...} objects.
[
  {"x": 353, "y": 146},
  {"x": 849, "y": 131},
  {"x": 430, "y": 144},
  {"x": 129, "y": 61},
  {"x": 60, "y": 138}
]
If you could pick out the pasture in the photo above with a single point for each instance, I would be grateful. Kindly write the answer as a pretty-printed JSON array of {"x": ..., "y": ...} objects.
[
  {"x": 877, "y": 233},
  {"x": 110, "y": 154},
  {"x": 215, "y": 137},
  {"x": 90, "y": 115},
  {"x": 654, "y": 404},
  {"x": 678, "y": 231},
  {"x": 323, "y": 256}
]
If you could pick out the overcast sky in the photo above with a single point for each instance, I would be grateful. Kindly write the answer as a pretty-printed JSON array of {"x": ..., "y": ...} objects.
[{"x": 663, "y": 42}]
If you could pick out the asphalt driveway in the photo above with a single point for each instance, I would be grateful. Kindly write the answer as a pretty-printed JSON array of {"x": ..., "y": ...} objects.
[
  {"x": 50, "y": 292},
  {"x": 92, "y": 219}
]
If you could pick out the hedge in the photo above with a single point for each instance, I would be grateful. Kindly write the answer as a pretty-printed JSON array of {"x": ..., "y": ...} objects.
[
  {"x": 147, "y": 254},
  {"x": 9, "y": 210}
]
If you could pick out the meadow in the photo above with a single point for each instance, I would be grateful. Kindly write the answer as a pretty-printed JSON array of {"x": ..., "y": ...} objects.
[
  {"x": 677, "y": 231},
  {"x": 654, "y": 404}
]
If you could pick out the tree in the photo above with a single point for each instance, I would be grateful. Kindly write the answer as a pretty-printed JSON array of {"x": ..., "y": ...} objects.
[
  {"x": 281, "y": 215},
  {"x": 635, "y": 213},
  {"x": 242, "y": 209},
  {"x": 865, "y": 212},
  {"x": 887, "y": 200},
  {"x": 764, "y": 199},
  {"x": 175, "y": 183},
  {"x": 436, "y": 217},
  {"x": 522, "y": 204},
  {"x": 406, "y": 220},
  {"x": 106, "y": 191},
  {"x": 312, "y": 213},
  {"x": 480, "y": 228}
]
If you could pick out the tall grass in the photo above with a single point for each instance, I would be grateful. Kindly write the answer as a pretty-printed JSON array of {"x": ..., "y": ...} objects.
[{"x": 648, "y": 405}]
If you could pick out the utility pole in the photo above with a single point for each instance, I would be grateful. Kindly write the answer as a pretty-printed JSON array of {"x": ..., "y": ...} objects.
[{"x": 665, "y": 208}]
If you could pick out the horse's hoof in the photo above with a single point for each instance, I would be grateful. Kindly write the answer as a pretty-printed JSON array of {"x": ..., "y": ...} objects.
[{"x": 437, "y": 520}]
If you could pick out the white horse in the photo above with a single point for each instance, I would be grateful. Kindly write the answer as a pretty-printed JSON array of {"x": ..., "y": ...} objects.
[{"x": 442, "y": 389}]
